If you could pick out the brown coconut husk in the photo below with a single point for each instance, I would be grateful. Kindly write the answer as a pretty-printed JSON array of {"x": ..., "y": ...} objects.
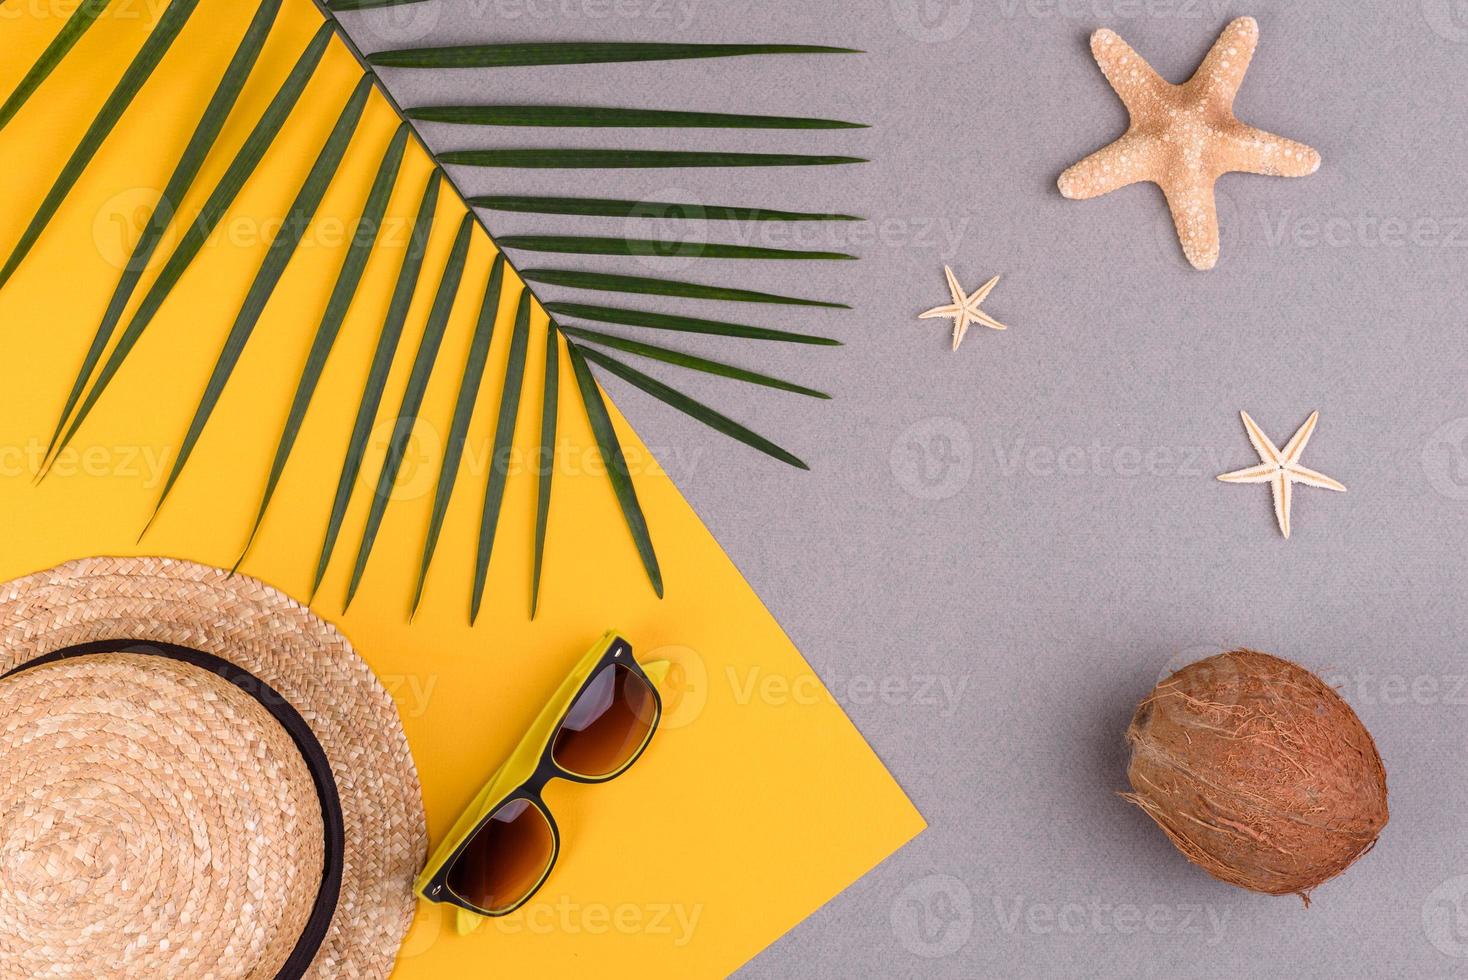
[{"x": 1258, "y": 772}]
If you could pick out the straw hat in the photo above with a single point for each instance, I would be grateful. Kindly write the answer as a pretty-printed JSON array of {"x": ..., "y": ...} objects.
[{"x": 198, "y": 778}]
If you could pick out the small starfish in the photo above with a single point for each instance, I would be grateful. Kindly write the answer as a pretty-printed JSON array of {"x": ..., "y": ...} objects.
[
  {"x": 965, "y": 308},
  {"x": 1280, "y": 468},
  {"x": 1184, "y": 137}
]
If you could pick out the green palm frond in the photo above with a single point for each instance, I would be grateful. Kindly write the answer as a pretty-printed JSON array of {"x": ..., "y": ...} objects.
[
  {"x": 347, "y": 282},
  {"x": 99, "y": 366},
  {"x": 688, "y": 406},
  {"x": 555, "y": 159},
  {"x": 546, "y": 459},
  {"x": 613, "y": 283},
  {"x": 616, "y": 464},
  {"x": 683, "y": 324},
  {"x": 662, "y": 210},
  {"x": 282, "y": 247},
  {"x": 200, "y": 143},
  {"x": 593, "y": 117},
  {"x": 347, "y": 5},
  {"x": 656, "y": 249},
  {"x": 154, "y": 48},
  {"x": 251, "y": 152},
  {"x": 382, "y": 358},
  {"x": 77, "y": 24},
  {"x": 578, "y": 53},
  {"x": 690, "y": 361},
  {"x": 463, "y": 413},
  {"x": 407, "y": 418},
  {"x": 500, "y": 453}
]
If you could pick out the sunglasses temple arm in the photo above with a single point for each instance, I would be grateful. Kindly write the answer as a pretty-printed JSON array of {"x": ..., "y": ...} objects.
[
  {"x": 466, "y": 922},
  {"x": 657, "y": 671}
]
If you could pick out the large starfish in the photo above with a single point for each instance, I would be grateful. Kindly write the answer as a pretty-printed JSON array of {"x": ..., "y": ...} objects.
[
  {"x": 1280, "y": 468},
  {"x": 1184, "y": 137}
]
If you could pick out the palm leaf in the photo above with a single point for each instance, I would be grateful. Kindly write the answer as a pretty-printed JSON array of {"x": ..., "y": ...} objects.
[
  {"x": 652, "y": 248},
  {"x": 76, "y": 25},
  {"x": 661, "y": 210},
  {"x": 578, "y": 53},
  {"x": 550, "y": 406},
  {"x": 689, "y": 361},
  {"x": 598, "y": 117},
  {"x": 608, "y": 282},
  {"x": 407, "y": 418},
  {"x": 685, "y": 324},
  {"x": 576, "y": 159},
  {"x": 223, "y": 195},
  {"x": 347, "y": 5},
  {"x": 382, "y": 358},
  {"x": 504, "y": 442},
  {"x": 695, "y": 409},
  {"x": 468, "y": 396},
  {"x": 81, "y": 400},
  {"x": 164, "y": 33},
  {"x": 616, "y": 465},
  {"x": 342, "y": 294},
  {"x": 205, "y": 133},
  {"x": 277, "y": 257}
]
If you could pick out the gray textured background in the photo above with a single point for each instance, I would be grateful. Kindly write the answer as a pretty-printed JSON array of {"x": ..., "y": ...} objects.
[{"x": 998, "y": 551}]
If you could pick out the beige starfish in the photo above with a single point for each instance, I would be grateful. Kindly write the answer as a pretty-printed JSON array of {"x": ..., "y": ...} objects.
[
  {"x": 965, "y": 308},
  {"x": 1184, "y": 137},
  {"x": 1280, "y": 468}
]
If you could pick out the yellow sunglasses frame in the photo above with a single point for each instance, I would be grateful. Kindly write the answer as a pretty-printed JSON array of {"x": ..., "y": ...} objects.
[{"x": 528, "y": 768}]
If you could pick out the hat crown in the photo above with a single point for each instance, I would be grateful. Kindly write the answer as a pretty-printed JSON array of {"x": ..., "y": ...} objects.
[
  {"x": 156, "y": 818},
  {"x": 321, "y": 697}
]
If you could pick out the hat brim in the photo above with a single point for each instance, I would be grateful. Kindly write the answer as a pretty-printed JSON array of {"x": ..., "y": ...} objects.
[{"x": 306, "y": 661}]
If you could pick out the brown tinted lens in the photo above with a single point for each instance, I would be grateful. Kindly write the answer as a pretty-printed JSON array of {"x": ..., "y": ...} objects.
[
  {"x": 506, "y": 858},
  {"x": 607, "y": 724}
]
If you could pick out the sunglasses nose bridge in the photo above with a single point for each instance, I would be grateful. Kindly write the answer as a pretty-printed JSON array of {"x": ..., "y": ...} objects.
[{"x": 535, "y": 786}]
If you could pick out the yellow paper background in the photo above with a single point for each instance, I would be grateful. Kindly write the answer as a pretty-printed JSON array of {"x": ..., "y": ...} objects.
[{"x": 758, "y": 802}]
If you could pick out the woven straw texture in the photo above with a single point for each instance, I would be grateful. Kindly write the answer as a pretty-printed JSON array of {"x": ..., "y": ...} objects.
[
  {"x": 166, "y": 765},
  {"x": 158, "y": 821}
]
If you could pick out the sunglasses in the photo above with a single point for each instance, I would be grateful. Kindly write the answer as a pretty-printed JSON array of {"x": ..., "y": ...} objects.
[{"x": 598, "y": 723}]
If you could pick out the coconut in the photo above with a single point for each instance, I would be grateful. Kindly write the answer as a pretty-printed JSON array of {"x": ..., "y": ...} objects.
[{"x": 1258, "y": 772}]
